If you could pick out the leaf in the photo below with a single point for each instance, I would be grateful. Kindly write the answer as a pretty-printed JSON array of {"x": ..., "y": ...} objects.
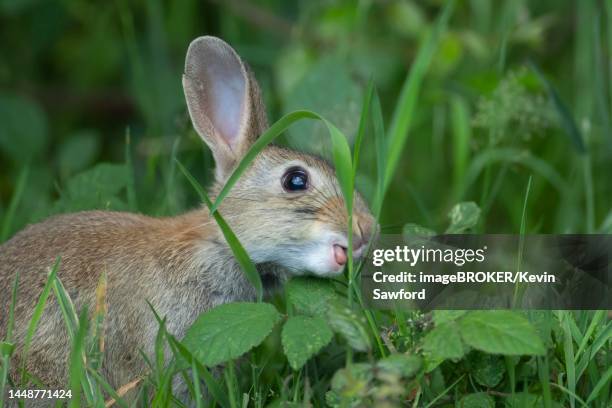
[
  {"x": 6, "y": 349},
  {"x": 476, "y": 400},
  {"x": 311, "y": 296},
  {"x": 463, "y": 216},
  {"x": 487, "y": 369},
  {"x": 230, "y": 330},
  {"x": 78, "y": 152},
  {"x": 345, "y": 322},
  {"x": 443, "y": 316},
  {"x": 303, "y": 337},
  {"x": 23, "y": 129},
  {"x": 524, "y": 399},
  {"x": 401, "y": 364},
  {"x": 96, "y": 188},
  {"x": 500, "y": 332},
  {"x": 339, "y": 104},
  {"x": 542, "y": 321},
  {"x": 415, "y": 229},
  {"x": 444, "y": 342}
]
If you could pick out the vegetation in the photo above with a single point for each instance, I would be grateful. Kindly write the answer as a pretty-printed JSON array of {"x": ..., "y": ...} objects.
[{"x": 453, "y": 116}]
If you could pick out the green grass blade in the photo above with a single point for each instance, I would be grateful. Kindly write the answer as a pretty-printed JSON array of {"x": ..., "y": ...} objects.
[
  {"x": 37, "y": 314},
  {"x": 6, "y": 359},
  {"x": 107, "y": 388},
  {"x": 460, "y": 118},
  {"x": 513, "y": 156},
  {"x": 196, "y": 384},
  {"x": 381, "y": 153},
  {"x": 603, "y": 382},
  {"x": 72, "y": 326},
  {"x": 404, "y": 111},
  {"x": 598, "y": 316},
  {"x": 568, "y": 351},
  {"x": 76, "y": 366},
  {"x": 212, "y": 385},
  {"x": 239, "y": 252},
  {"x": 573, "y": 396},
  {"x": 131, "y": 189},
  {"x": 521, "y": 249},
  {"x": 567, "y": 121},
  {"x": 365, "y": 112},
  {"x": 66, "y": 307},
  {"x": 14, "y": 203}
]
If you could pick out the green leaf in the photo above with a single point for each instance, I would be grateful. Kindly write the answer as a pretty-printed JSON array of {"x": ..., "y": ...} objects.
[
  {"x": 23, "y": 130},
  {"x": 487, "y": 369},
  {"x": 230, "y": 330},
  {"x": 444, "y": 342},
  {"x": 339, "y": 103},
  {"x": 412, "y": 230},
  {"x": 97, "y": 188},
  {"x": 6, "y": 349},
  {"x": 500, "y": 332},
  {"x": 349, "y": 325},
  {"x": 443, "y": 316},
  {"x": 78, "y": 152},
  {"x": 311, "y": 296},
  {"x": 401, "y": 364},
  {"x": 476, "y": 400},
  {"x": 463, "y": 216},
  {"x": 542, "y": 321},
  {"x": 524, "y": 399},
  {"x": 303, "y": 337}
]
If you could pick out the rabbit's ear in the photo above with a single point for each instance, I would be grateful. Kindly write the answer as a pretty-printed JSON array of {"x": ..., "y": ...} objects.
[{"x": 224, "y": 101}]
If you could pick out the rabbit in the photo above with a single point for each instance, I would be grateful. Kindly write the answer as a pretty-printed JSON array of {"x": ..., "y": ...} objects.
[{"x": 287, "y": 210}]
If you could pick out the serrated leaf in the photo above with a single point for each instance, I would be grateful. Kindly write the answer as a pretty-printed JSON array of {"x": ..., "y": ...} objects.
[
  {"x": 487, "y": 369},
  {"x": 444, "y": 342},
  {"x": 303, "y": 337},
  {"x": 476, "y": 400},
  {"x": 463, "y": 216},
  {"x": 230, "y": 330},
  {"x": 500, "y": 332},
  {"x": 311, "y": 296},
  {"x": 350, "y": 326},
  {"x": 401, "y": 364}
]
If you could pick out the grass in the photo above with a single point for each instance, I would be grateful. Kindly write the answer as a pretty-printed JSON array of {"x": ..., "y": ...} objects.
[{"x": 575, "y": 371}]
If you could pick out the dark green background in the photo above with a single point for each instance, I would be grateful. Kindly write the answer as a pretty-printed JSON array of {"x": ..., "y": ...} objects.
[{"x": 74, "y": 75}]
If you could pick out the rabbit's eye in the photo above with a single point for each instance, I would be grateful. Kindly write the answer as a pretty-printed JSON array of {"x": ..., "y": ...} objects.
[{"x": 295, "y": 179}]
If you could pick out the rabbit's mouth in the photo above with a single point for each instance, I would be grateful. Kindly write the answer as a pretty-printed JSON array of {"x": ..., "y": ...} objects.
[{"x": 340, "y": 253}]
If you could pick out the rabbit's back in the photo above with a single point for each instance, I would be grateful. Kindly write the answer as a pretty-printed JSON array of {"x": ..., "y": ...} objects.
[{"x": 170, "y": 262}]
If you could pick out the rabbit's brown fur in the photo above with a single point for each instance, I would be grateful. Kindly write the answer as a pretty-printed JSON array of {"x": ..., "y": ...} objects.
[{"x": 181, "y": 265}]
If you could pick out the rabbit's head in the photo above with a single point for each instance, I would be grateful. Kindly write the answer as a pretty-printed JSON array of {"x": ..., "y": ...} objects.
[{"x": 287, "y": 208}]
